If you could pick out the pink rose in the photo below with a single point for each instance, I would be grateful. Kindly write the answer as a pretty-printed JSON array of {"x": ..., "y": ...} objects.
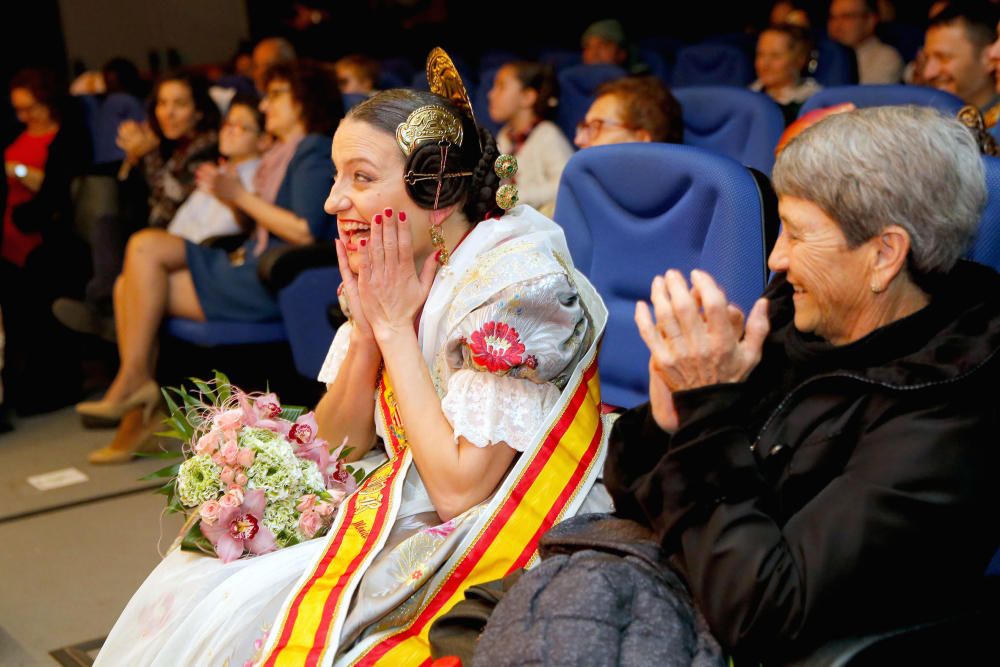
[
  {"x": 267, "y": 406},
  {"x": 230, "y": 450},
  {"x": 325, "y": 509},
  {"x": 245, "y": 457},
  {"x": 209, "y": 511},
  {"x": 229, "y": 420},
  {"x": 309, "y": 523},
  {"x": 241, "y": 479},
  {"x": 306, "y": 502},
  {"x": 228, "y": 476},
  {"x": 304, "y": 429},
  {"x": 233, "y": 498},
  {"x": 218, "y": 459},
  {"x": 208, "y": 443}
]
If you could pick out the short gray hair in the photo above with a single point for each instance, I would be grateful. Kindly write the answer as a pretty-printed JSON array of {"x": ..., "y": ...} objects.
[{"x": 903, "y": 165}]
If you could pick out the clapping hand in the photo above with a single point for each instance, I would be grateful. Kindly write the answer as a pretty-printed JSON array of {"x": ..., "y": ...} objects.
[
  {"x": 220, "y": 181},
  {"x": 391, "y": 292},
  {"x": 136, "y": 139},
  {"x": 697, "y": 339}
]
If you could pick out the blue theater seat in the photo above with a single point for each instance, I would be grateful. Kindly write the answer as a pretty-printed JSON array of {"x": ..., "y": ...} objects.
[
  {"x": 986, "y": 248},
  {"x": 632, "y": 211},
  {"x": 576, "y": 92},
  {"x": 734, "y": 122},
  {"x": 712, "y": 64},
  {"x": 884, "y": 95},
  {"x": 835, "y": 64}
]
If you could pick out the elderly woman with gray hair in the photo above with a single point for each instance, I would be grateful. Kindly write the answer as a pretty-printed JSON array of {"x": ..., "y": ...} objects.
[{"x": 829, "y": 467}]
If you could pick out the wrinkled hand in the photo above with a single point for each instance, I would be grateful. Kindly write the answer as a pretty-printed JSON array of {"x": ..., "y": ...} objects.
[
  {"x": 220, "y": 181},
  {"x": 391, "y": 291},
  {"x": 698, "y": 339},
  {"x": 136, "y": 139}
]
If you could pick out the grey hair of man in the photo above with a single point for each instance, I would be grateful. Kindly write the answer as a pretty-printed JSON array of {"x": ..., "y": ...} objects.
[{"x": 905, "y": 165}]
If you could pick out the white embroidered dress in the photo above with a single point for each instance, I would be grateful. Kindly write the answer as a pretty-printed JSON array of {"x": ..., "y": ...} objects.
[{"x": 501, "y": 332}]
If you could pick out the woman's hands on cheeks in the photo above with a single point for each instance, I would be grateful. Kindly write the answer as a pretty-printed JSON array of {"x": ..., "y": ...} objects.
[
  {"x": 361, "y": 333},
  {"x": 697, "y": 339},
  {"x": 390, "y": 290}
]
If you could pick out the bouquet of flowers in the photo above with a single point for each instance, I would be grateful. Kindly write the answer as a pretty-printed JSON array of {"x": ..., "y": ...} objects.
[{"x": 255, "y": 477}]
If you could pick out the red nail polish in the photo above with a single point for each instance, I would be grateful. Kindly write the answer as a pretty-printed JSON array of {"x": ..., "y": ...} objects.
[
  {"x": 378, "y": 218},
  {"x": 402, "y": 216},
  {"x": 364, "y": 242},
  {"x": 388, "y": 212}
]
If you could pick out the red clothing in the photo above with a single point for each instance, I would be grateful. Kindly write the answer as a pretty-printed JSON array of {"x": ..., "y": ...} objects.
[{"x": 31, "y": 151}]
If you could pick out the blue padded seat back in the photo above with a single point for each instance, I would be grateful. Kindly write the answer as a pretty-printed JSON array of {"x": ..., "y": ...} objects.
[
  {"x": 304, "y": 303},
  {"x": 737, "y": 123},
  {"x": 576, "y": 92},
  {"x": 986, "y": 248},
  {"x": 712, "y": 64},
  {"x": 220, "y": 333},
  {"x": 632, "y": 211},
  {"x": 481, "y": 101},
  {"x": 836, "y": 64},
  {"x": 884, "y": 95}
]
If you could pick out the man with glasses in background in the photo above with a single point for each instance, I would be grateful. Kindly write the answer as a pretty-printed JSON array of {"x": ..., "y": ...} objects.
[{"x": 852, "y": 23}]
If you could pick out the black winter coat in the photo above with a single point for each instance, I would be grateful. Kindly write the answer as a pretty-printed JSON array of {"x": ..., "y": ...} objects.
[{"x": 839, "y": 490}]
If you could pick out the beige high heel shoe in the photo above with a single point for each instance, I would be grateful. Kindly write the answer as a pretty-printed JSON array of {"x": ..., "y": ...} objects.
[
  {"x": 105, "y": 412},
  {"x": 133, "y": 436}
]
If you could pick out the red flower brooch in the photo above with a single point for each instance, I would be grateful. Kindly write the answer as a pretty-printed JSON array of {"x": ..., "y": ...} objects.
[{"x": 497, "y": 347}]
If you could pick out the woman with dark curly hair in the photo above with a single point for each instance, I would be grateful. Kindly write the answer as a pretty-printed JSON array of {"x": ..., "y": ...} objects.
[
  {"x": 165, "y": 275},
  {"x": 464, "y": 379}
]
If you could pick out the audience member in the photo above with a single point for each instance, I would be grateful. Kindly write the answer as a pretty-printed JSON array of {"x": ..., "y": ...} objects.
[
  {"x": 269, "y": 52},
  {"x": 158, "y": 174},
  {"x": 604, "y": 43},
  {"x": 993, "y": 53},
  {"x": 241, "y": 141},
  {"x": 782, "y": 54},
  {"x": 523, "y": 99},
  {"x": 165, "y": 275},
  {"x": 852, "y": 23},
  {"x": 801, "y": 473},
  {"x": 956, "y": 55},
  {"x": 632, "y": 109},
  {"x": 41, "y": 258},
  {"x": 357, "y": 74}
]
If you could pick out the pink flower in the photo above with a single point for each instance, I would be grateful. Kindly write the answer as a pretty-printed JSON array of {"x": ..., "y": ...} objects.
[
  {"x": 218, "y": 459},
  {"x": 229, "y": 420},
  {"x": 497, "y": 347},
  {"x": 209, "y": 511},
  {"x": 279, "y": 426},
  {"x": 230, "y": 450},
  {"x": 303, "y": 431},
  {"x": 326, "y": 509},
  {"x": 245, "y": 457},
  {"x": 233, "y": 498},
  {"x": 228, "y": 476},
  {"x": 309, "y": 523},
  {"x": 267, "y": 406},
  {"x": 240, "y": 529},
  {"x": 306, "y": 502},
  {"x": 241, "y": 479},
  {"x": 208, "y": 443}
]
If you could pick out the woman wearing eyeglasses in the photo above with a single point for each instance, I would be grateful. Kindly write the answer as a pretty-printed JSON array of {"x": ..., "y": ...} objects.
[
  {"x": 168, "y": 276},
  {"x": 632, "y": 109}
]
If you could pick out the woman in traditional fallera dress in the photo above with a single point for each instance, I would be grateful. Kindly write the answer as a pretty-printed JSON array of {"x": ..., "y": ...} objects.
[{"x": 477, "y": 340}]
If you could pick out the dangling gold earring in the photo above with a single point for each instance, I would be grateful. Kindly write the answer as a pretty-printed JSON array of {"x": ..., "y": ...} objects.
[{"x": 437, "y": 240}]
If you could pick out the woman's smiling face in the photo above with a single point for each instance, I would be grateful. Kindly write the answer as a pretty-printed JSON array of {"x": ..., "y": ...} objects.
[{"x": 369, "y": 167}]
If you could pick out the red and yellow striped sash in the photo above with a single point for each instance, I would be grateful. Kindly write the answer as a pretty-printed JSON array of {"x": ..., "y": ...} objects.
[
  {"x": 534, "y": 496},
  {"x": 356, "y": 537}
]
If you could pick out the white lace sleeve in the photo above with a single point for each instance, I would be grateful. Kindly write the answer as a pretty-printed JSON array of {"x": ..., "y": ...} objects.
[
  {"x": 485, "y": 408},
  {"x": 336, "y": 354}
]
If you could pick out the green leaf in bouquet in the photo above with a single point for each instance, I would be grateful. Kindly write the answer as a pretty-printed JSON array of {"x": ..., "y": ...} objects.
[
  {"x": 359, "y": 475},
  {"x": 169, "y": 471},
  {"x": 195, "y": 540},
  {"x": 292, "y": 412},
  {"x": 160, "y": 455},
  {"x": 344, "y": 453},
  {"x": 207, "y": 393},
  {"x": 223, "y": 386},
  {"x": 166, "y": 490},
  {"x": 174, "y": 506}
]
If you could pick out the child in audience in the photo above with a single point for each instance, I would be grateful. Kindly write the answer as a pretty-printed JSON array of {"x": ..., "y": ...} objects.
[
  {"x": 356, "y": 75},
  {"x": 241, "y": 141},
  {"x": 523, "y": 97}
]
